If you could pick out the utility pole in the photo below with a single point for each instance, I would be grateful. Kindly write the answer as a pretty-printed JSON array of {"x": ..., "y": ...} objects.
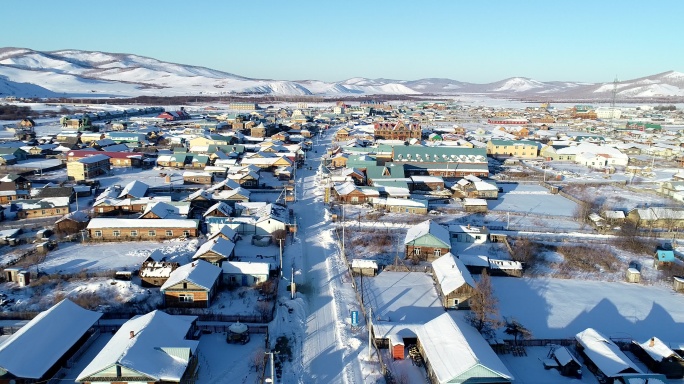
[
  {"x": 281, "y": 257},
  {"x": 345, "y": 258},
  {"x": 272, "y": 365},
  {"x": 292, "y": 283},
  {"x": 370, "y": 331}
]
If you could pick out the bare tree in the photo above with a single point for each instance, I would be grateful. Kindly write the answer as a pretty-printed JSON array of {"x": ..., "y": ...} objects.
[
  {"x": 484, "y": 311},
  {"x": 517, "y": 330},
  {"x": 258, "y": 359}
]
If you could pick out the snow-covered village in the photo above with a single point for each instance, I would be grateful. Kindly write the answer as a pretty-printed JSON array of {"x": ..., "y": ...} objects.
[{"x": 182, "y": 214}]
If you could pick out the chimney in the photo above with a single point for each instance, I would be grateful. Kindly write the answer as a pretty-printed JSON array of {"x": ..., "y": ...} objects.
[
  {"x": 468, "y": 226},
  {"x": 652, "y": 342},
  {"x": 132, "y": 334}
]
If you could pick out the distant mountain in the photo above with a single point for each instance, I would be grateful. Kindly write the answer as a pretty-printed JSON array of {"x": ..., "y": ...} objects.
[{"x": 74, "y": 73}]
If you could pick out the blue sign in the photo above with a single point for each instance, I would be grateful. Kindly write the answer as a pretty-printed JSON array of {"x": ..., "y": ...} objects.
[{"x": 355, "y": 318}]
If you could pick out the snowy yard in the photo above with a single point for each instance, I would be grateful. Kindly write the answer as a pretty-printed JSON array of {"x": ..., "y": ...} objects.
[
  {"x": 533, "y": 199},
  {"x": 74, "y": 258},
  {"x": 560, "y": 308}
]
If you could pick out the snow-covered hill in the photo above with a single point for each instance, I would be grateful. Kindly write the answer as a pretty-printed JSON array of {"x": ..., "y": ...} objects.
[{"x": 74, "y": 73}]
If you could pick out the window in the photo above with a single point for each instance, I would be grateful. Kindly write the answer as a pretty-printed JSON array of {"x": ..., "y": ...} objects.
[
  {"x": 42, "y": 211},
  {"x": 98, "y": 233},
  {"x": 59, "y": 210},
  {"x": 101, "y": 210},
  {"x": 355, "y": 199},
  {"x": 116, "y": 233},
  {"x": 438, "y": 252},
  {"x": 416, "y": 251},
  {"x": 186, "y": 298},
  {"x": 186, "y": 233},
  {"x": 169, "y": 233},
  {"x": 151, "y": 233},
  {"x": 134, "y": 233}
]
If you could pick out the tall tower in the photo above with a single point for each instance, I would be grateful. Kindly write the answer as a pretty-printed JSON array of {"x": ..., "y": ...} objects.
[{"x": 615, "y": 85}]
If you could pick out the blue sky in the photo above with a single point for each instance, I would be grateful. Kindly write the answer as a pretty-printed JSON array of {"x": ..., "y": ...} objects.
[{"x": 474, "y": 41}]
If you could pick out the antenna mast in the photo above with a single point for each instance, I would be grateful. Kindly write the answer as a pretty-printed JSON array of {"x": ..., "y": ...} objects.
[{"x": 615, "y": 86}]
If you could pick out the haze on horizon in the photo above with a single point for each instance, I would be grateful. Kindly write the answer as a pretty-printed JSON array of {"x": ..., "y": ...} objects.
[{"x": 476, "y": 42}]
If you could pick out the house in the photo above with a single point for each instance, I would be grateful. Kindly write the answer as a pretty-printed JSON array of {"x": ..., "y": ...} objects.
[
  {"x": 134, "y": 190},
  {"x": 72, "y": 222},
  {"x": 513, "y": 148},
  {"x": 49, "y": 206},
  {"x": 14, "y": 187},
  {"x": 427, "y": 241},
  {"x": 220, "y": 209},
  {"x": 116, "y": 159},
  {"x": 657, "y": 217},
  {"x": 454, "y": 282},
  {"x": 602, "y": 356},
  {"x": 166, "y": 210},
  {"x": 271, "y": 218},
  {"x": 396, "y": 130},
  {"x": 469, "y": 234},
  {"x": 659, "y": 358},
  {"x": 36, "y": 352},
  {"x": 235, "y": 195},
  {"x": 224, "y": 232},
  {"x": 245, "y": 274},
  {"x": 427, "y": 183},
  {"x": 152, "y": 348},
  {"x": 192, "y": 285},
  {"x": 193, "y": 177},
  {"x": 505, "y": 268},
  {"x": 49, "y": 191},
  {"x": 455, "y": 353},
  {"x": 395, "y": 205},
  {"x": 349, "y": 193},
  {"x": 474, "y": 187},
  {"x": 112, "y": 229},
  {"x": 215, "y": 251},
  {"x": 88, "y": 167}
]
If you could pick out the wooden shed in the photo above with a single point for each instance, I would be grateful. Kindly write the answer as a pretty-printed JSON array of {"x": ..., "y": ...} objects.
[
  {"x": 678, "y": 283},
  {"x": 567, "y": 363},
  {"x": 396, "y": 346},
  {"x": 475, "y": 205},
  {"x": 633, "y": 275},
  {"x": 364, "y": 267},
  {"x": 659, "y": 358}
]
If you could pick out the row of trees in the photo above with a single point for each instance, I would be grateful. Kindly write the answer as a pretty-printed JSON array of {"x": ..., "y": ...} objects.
[{"x": 14, "y": 112}]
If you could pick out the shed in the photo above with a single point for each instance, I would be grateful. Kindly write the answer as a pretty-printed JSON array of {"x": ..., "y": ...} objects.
[
  {"x": 633, "y": 275},
  {"x": 475, "y": 205},
  {"x": 663, "y": 258},
  {"x": 677, "y": 283},
  {"x": 396, "y": 346},
  {"x": 659, "y": 358},
  {"x": 567, "y": 363},
  {"x": 364, "y": 267}
]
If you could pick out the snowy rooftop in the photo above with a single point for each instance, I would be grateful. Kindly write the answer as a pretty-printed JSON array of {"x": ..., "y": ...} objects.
[
  {"x": 605, "y": 353},
  {"x": 453, "y": 347},
  {"x": 97, "y": 223},
  {"x": 135, "y": 189},
  {"x": 158, "y": 348},
  {"x": 38, "y": 345},
  {"x": 198, "y": 272},
  {"x": 406, "y": 297},
  {"x": 657, "y": 349},
  {"x": 451, "y": 273},
  {"x": 428, "y": 227},
  {"x": 245, "y": 268}
]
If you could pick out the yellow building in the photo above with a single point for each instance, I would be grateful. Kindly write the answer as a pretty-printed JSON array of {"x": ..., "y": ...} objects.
[{"x": 516, "y": 148}]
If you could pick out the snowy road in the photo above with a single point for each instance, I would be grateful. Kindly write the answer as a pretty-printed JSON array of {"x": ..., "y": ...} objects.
[{"x": 325, "y": 356}]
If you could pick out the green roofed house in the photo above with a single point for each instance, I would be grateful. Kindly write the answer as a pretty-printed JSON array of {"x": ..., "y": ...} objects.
[{"x": 427, "y": 241}]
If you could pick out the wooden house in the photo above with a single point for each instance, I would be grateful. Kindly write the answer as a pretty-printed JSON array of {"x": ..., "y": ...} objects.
[
  {"x": 32, "y": 208},
  {"x": 224, "y": 232},
  {"x": 678, "y": 283},
  {"x": 427, "y": 241},
  {"x": 454, "y": 282},
  {"x": 602, "y": 356},
  {"x": 215, "y": 251},
  {"x": 192, "y": 285},
  {"x": 659, "y": 358},
  {"x": 111, "y": 229},
  {"x": 38, "y": 351},
  {"x": 349, "y": 193},
  {"x": 152, "y": 348},
  {"x": 14, "y": 187},
  {"x": 454, "y": 352},
  {"x": 192, "y": 177},
  {"x": 72, "y": 222}
]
